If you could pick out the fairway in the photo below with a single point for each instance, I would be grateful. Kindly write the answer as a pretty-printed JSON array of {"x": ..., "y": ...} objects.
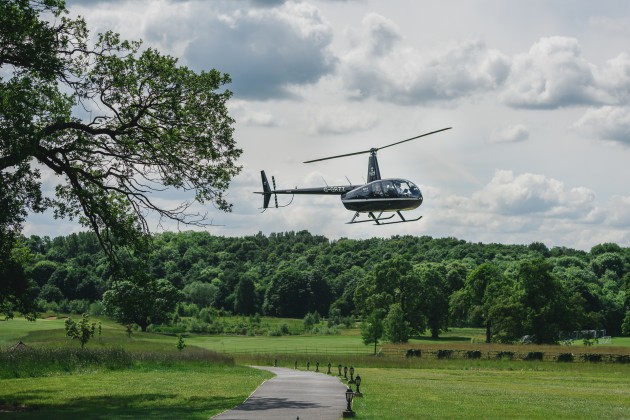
[
  {"x": 304, "y": 345},
  {"x": 14, "y": 329}
]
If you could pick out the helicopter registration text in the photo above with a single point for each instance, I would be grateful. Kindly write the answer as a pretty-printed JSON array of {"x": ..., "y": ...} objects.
[{"x": 334, "y": 189}]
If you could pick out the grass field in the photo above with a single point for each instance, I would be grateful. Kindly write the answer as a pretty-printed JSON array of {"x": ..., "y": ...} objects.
[
  {"x": 393, "y": 387},
  {"x": 532, "y": 392}
]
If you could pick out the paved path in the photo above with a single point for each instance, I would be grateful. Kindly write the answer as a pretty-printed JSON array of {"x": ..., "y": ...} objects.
[{"x": 292, "y": 394}]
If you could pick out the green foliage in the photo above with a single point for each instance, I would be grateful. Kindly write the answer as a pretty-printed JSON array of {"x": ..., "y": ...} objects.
[
  {"x": 395, "y": 327},
  {"x": 625, "y": 328},
  {"x": 295, "y": 273},
  {"x": 435, "y": 296},
  {"x": 311, "y": 320},
  {"x": 180, "y": 342},
  {"x": 81, "y": 330},
  {"x": 372, "y": 328},
  {"x": 141, "y": 303},
  {"x": 153, "y": 124}
]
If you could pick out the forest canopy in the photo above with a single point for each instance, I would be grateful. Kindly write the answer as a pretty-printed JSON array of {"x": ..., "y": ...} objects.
[{"x": 511, "y": 290}]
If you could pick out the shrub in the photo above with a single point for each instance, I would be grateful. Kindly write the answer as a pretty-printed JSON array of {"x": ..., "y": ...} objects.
[
  {"x": 207, "y": 315},
  {"x": 414, "y": 353},
  {"x": 444, "y": 354},
  {"x": 473, "y": 354},
  {"x": 621, "y": 358},
  {"x": 592, "y": 357},
  {"x": 534, "y": 355},
  {"x": 565, "y": 357},
  {"x": 96, "y": 308}
]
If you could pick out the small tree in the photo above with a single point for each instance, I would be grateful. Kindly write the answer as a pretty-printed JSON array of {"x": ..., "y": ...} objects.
[
  {"x": 82, "y": 330},
  {"x": 310, "y": 320},
  {"x": 372, "y": 328},
  {"x": 180, "y": 343}
]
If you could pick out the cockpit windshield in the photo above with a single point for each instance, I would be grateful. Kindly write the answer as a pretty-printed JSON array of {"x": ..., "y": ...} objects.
[{"x": 406, "y": 188}]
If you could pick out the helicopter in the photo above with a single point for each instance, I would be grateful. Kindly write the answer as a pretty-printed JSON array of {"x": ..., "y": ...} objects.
[{"x": 374, "y": 198}]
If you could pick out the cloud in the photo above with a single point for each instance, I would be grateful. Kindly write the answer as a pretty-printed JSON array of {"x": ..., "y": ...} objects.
[
  {"x": 551, "y": 74},
  {"x": 383, "y": 66},
  {"x": 614, "y": 78},
  {"x": 268, "y": 48},
  {"x": 266, "y": 51},
  {"x": 529, "y": 207},
  {"x": 530, "y": 194},
  {"x": 251, "y": 114},
  {"x": 607, "y": 123},
  {"x": 510, "y": 134},
  {"x": 341, "y": 120}
]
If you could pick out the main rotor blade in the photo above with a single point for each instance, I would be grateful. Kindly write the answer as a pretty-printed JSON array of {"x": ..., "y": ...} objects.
[
  {"x": 338, "y": 156},
  {"x": 377, "y": 148},
  {"x": 413, "y": 138}
]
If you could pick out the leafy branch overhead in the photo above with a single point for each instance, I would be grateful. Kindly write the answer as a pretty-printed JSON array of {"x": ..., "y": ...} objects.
[{"x": 117, "y": 121}]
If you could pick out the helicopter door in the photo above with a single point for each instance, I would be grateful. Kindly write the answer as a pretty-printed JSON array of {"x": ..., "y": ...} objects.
[
  {"x": 376, "y": 191},
  {"x": 389, "y": 190}
]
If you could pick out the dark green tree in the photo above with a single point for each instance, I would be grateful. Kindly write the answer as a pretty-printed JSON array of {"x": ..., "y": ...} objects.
[
  {"x": 434, "y": 296},
  {"x": 246, "y": 299},
  {"x": 472, "y": 302},
  {"x": 548, "y": 308},
  {"x": 141, "y": 301}
]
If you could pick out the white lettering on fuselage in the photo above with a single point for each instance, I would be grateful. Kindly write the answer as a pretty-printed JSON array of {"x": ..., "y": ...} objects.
[{"x": 334, "y": 189}]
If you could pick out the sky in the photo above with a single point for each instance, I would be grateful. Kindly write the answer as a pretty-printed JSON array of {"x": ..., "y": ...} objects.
[{"x": 537, "y": 94}]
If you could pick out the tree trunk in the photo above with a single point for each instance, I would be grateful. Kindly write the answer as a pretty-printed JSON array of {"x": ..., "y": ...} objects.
[{"x": 488, "y": 333}]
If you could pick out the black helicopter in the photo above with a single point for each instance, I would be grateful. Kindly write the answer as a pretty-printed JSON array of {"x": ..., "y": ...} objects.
[{"x": 375, "y": 197}]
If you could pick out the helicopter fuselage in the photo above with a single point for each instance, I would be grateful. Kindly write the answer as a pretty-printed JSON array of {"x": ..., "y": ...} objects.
[{"x": 383, "y": 195}]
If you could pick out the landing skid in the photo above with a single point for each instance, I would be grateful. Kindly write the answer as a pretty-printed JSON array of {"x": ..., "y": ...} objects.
[{"x": 379, "y": 220}]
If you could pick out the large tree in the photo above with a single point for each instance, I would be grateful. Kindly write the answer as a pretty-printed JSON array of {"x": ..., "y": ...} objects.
[
  {"x": 141, "y": 301},
  {"x": 115, "y": 121},
  {"x": 473, "y": 302}
]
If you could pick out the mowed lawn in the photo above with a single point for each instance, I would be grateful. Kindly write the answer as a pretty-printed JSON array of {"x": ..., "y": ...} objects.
[
  {"x": 176, "y": 392},
  {"x": 581, "y": 391}
]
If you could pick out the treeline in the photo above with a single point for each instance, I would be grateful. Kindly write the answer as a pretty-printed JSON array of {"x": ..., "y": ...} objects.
[{"x": 421, "y": 283}]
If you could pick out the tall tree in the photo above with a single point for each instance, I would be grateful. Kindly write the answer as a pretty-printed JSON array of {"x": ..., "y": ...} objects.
[
  {"x": 435, "y": 296},
  {"x": 245, "y": 300},
  {"x": 151, "y": 125},
  {"x": 472, "y": 301},
  {"x": 545, "y": 301},
  {"x": 395, "y": 327},
  {"x": 372, "y": 328}
]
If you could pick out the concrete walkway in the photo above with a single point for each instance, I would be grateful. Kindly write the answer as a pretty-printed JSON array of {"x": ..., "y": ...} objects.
[{"x": 292, "y": 394}]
